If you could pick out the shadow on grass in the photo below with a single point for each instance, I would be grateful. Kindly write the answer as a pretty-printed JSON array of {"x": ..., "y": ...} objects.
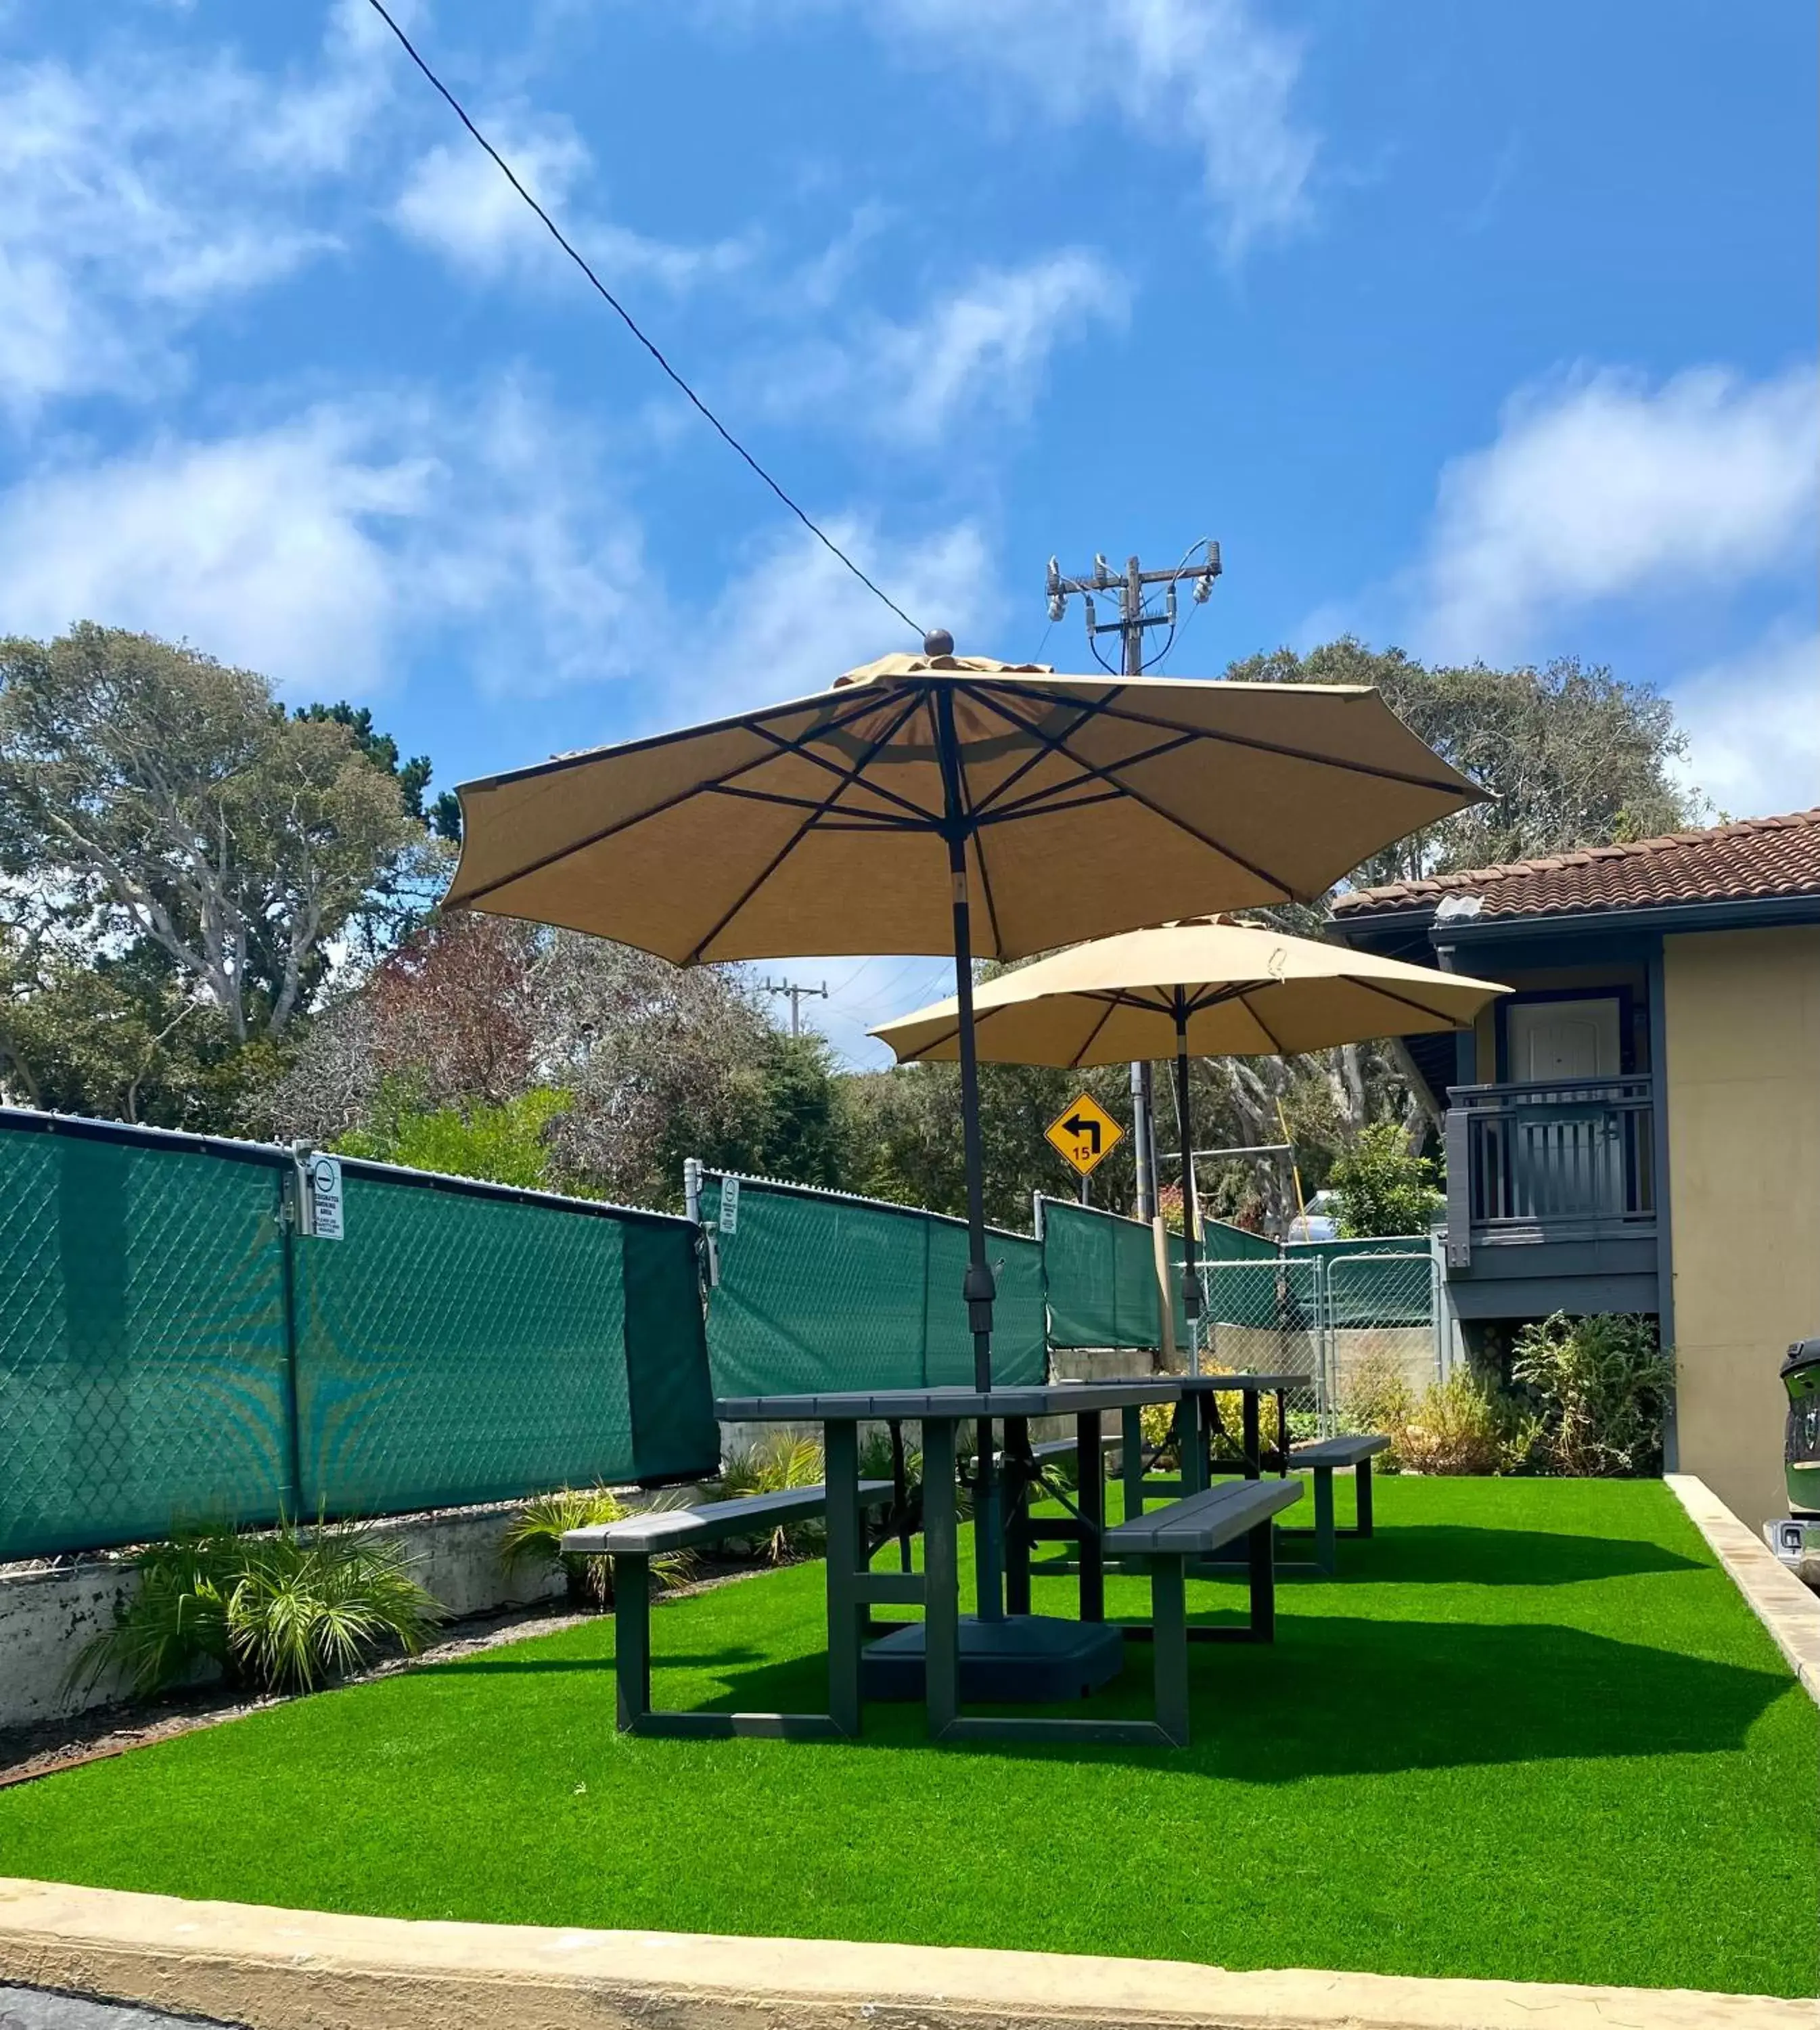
[
  {"x": 1350, "y": 1698},
  {"x": 1455, "y": 1554},
  {"x": 532, "y": 1666}
]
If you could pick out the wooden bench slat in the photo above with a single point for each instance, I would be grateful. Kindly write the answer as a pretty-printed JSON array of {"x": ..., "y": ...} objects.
[
  {"x": 1202, "y": 1522},
  {"x": 658, "y": 1529},
  {"x": 1339, "y": 1452}
]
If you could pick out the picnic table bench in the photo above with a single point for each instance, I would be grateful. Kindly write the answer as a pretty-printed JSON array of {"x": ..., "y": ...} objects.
[
  {"x": 633, "y": 1541},
  {"x": 1167, "y": 1540},
  {"x": 1323, "y": 1457}
]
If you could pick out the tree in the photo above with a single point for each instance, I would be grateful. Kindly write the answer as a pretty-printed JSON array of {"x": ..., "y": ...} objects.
[
  {"x": 1385, "y": 1189},
  {"x": 151, "y": 797},
  {"x": 1574, "y": 755}
]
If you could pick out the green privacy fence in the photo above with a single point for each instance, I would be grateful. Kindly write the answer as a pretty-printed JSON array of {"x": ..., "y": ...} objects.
[
  {"x": 1378, "y": 1280},
  {"x": 815, "y": 1290},
  {"x": 1101, "y": 1273},
  {"x": 171, "y": 1348}
]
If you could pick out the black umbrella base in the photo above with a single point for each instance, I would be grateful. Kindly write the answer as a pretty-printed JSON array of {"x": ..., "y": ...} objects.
[{"x": 1025, "y": 1659}]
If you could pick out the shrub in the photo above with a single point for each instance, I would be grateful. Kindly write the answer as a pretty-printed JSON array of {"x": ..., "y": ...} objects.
[
  {"x": 1459, "y": 1426},
  {"x": 1385, "y": 1189},
  {"x": 1601, "y": 1388},
  {"x": 781, "y": 1461},
  {"x": 277, "y": 1612},
  {"x": 1378, "y": 1399},
  {"x": 534, "y": 1536}
]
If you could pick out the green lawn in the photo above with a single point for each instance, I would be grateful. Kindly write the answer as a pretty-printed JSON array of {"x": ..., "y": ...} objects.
[{"x": 1532, "y": 1731}]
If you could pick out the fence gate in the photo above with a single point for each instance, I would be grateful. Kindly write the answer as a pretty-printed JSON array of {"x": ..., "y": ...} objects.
[
  {"x": 1343, "y": 1322},
  {"x": 1266, "y": 1317}
]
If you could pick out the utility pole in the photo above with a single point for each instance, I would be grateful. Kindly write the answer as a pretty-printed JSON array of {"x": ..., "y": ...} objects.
[
  {"x": 798, "y": 996},
  {"x": 1130, "y": 627}
]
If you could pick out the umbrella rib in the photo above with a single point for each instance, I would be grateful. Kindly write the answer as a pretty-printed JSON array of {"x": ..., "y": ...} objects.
[
  {"x": 1033, "y": 806},
  {"x": 868, "y": 820},
  {"x": 1110, "y": 706},
  {"x": 801, "y": 832},
  {"x": 1035, "y": 798},
  {"x": 1031, "y": 761},
  {"x": 1275, "y": 1044},
  {"x": 1169, "y": 817},
  {"x": 1092, "y": 1036},
  {"x": 638, "y": 817},
  {"x": 821, "y": 761},
  {"x": 1421, "y": 1008}
]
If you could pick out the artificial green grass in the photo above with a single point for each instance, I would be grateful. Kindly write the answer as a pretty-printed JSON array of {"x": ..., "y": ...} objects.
[{"x": 1531, "y": 1731}]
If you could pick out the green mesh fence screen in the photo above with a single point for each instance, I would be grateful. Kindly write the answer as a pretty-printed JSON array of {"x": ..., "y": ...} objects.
[
  {"x": 142, "y": 1340},
  {"x": 820, "y": 1291},
  {"x": 1381, "y": 1281},
  {"x": 466, "y": 1346},
  {"x": 1100, "y": 1271},
  {"x": 463, "y": 1342}
]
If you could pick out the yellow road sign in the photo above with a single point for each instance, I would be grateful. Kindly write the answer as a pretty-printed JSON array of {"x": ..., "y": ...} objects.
[{"x": 1084, "y": 1135}]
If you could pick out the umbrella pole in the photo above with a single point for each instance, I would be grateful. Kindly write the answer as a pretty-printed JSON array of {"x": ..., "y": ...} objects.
[
  {"x": 1190, "y": 1274},
  {"x": 978, "y": 1288}
]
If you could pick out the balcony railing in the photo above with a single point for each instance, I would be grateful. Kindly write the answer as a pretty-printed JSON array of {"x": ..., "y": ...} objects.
[{"x": 1567, "y": 1160}]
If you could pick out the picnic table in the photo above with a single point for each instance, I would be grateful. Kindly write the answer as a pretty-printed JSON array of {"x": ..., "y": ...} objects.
[
  {"x": 1197, "y": 1423},
  {"x": 1002, "y": 1652}
]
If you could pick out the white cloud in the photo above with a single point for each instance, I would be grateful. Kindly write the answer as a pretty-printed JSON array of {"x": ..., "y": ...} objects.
[
  {"x": 795, "y": 618},
  {"x": 1753, "y": 726},
  {"x": 985, "y": 348},
  {"x": 145, "y": 189},
  {"x": 456, "y": 201},
  {"x": 316, "y": 549},
  {"x": 1602, "y": 488},
  {"x": 1210, "y": 76}
]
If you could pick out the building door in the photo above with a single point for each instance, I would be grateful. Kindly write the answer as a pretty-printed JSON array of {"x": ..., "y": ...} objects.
[
  {"x": 1550, "y": 1040},
  {"x": 1568, "y": 1151}
]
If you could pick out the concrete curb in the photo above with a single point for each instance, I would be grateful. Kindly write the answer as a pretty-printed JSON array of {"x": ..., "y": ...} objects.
[
  {"x": 1789, "y": 1610},
  {"x": 309, "y": 1970}
]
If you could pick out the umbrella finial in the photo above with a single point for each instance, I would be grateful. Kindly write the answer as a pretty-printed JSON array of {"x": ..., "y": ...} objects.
[{"x": 937, "y": 641}]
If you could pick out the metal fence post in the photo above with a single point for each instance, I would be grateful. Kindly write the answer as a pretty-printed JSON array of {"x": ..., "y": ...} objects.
[{"x": 290, "y": 1495}]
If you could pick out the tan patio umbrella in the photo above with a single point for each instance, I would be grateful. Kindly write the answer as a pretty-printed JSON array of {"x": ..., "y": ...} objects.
[
  {"x": 1206, "y": 989},
  {"x": 939, "y": 803}
]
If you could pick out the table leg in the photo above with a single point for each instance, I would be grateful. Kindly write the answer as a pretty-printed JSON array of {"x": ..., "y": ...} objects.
[
  {"x": 1362, "y": 1488},
  {"x": 1253, "y": 1440},
  {"x": 941, "y": 1577},
  {"x": 1169, "y": 1642},
  {"x": 988, "y": 1533},
  {"x": 1281, "y": 1435},
  {"x": 1262, "y": 1546},
  {"x": 1324, "y": 1553},
  {"x": 1194, "y": 1442},
  {"x": 1091, "y": 1500},
  {"x": 1131, "y": 1458},
  {"x": 847, "y": 1613},
  {"x": 1016, "y": 1499},
  {"x": 632, "y": 1637}
]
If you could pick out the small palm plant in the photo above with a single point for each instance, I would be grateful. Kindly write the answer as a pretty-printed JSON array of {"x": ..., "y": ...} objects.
[
  {"x": 782, "y": 1461},
  {"x": 534, "y": 1536},
  {"x": 279, "y": 1611}
]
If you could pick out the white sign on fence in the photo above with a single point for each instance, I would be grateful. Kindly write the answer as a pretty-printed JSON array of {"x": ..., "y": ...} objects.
[
  {"x": 320, "y": 1178},
  {"x": 729, "y": 1205}
]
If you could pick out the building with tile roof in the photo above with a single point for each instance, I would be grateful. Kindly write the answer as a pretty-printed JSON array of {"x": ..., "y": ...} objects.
[{"x": 1637, "y": 1126}]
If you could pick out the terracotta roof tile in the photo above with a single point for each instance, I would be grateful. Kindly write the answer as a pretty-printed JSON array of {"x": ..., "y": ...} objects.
[{"x": 1755, "y": 857}]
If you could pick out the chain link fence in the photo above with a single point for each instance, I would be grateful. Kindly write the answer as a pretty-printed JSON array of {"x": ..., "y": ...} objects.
[
  {"x": 1342, "y": 1321},
  {"x": 171, "y": 1349}
]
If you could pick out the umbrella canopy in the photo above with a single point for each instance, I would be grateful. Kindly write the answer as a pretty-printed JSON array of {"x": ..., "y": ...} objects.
[
  {"x": 1082, "y": 805},
  {"x": 1207, "y": 989},
  {"x": 1223, "y": 989},
  {"x": 943, "y": 803}
]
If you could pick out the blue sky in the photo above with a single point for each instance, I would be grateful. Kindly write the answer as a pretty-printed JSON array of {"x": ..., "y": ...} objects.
[{"x": 1489, "y": 331}]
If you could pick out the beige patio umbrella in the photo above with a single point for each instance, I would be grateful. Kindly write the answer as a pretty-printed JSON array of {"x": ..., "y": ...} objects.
[
  {"x": 1206, "y": 989},
  {"x": 938, "y": 803}
]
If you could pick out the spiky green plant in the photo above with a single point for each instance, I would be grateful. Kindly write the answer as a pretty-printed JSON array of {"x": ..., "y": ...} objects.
[
  {"x": 316, "y": 1603},
  {"x": 281, "y": 1610},
  {"x": 780, "y": 1462},
  {"x": 534, "y": 1536}
]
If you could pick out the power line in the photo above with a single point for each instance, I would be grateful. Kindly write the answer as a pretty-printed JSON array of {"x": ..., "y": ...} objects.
[{"x": 626, "y": 319}]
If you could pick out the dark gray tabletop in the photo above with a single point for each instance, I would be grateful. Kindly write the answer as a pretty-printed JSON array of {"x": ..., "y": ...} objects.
[
  {"x": 1244, "y": 1384},
  {"x": 1049, "y": 1398}
]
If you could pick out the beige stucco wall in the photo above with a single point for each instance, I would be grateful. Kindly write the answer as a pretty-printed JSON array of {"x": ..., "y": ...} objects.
[{"x": 1742, "y": 1022}]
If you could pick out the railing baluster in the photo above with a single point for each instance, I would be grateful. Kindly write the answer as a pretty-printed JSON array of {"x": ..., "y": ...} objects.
[{"x": 1578, "y": 1155}]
